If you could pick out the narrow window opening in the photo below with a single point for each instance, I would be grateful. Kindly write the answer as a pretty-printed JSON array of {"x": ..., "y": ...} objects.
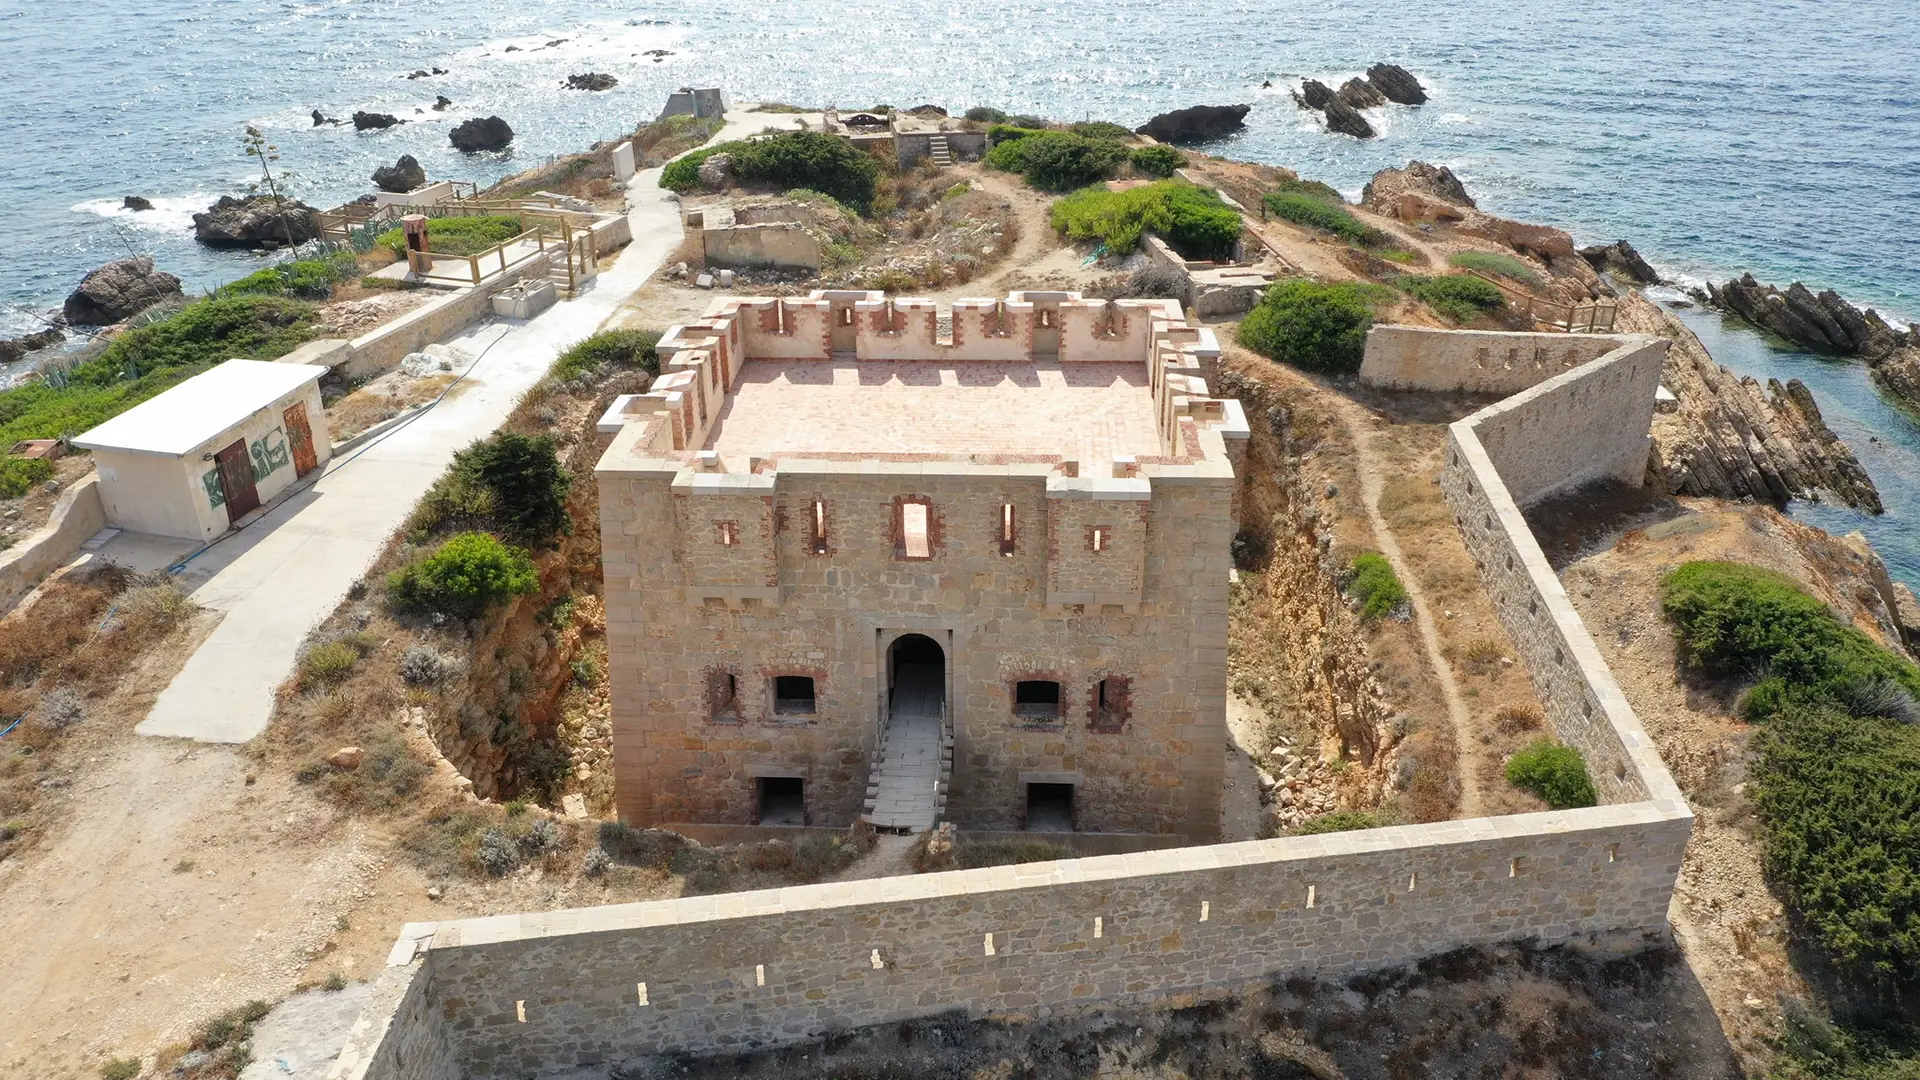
[
  {"x": 520, "y": 1011},
  {"x": 914, "y": 538},
  {"x": 1206, "y": 909},
  {"x": 1111, "y": 704},
  {"x": 1036, "y": 699},
  {"x": 793, "y": 694},
  {"x": 817, "y": 528},
  {"x": 640, "y": 991},
  {"x": 1099, "y": 926},
  {"x": 729, "y": 534},
  {"x": 759, "y": 974},
  {"x": 1517, "y": 867},
  {"x": 846, "y": 316},
  {"x": 876, "y": 961},
  {"x": 1099, "y": 537},
  {"x": 1412, "y": 880},
  {"x": 989, "y": 944},
  {"x": 1050, "y": 807},
  {"x": 723, "y": 696},
  {"x": 783, "y": 800},
  {"x": 1006, "y": 530},
  {"x": 1613, "y": 852},
  {"x": 1311, "y": 895},
  {"x": 1046, "y": 320}
]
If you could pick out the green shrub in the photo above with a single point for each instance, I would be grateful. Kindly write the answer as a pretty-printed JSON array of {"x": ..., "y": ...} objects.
[
  {"x": 126, "y": 1068},
  {"x": 1458, "y": 297},
  {"x": 1810, "y": 1047},
  {"x": 794, "y": 159},
  {"x": 1193, "y": 219},
  {"x": 981, "y": 114},
  {"x": 1158, "y": 161},
  {"x": 1488, "y": 262},
  {"x": 1338, "y": 821},
  {"x": 591, "y": 355},
  {"x": 1735, "y": 619},
  {"x": 1313, "y": 326},
  {"x": 1000, "y": 133},
  {"x": 1375, "y": 586},
  {"x": 1311, "y": 188},
  {"x": 457, "y": 235},
  {"x": 682, "y": 174},
  {"x": 1037, "y": 123},
  {"x": 528, "y": 483},
  {"x": 308, "y": 279},
  {"x": 1318, "y": 213},
  {"x": 1554, "y": 772},
  {"x": 1839, "y": 796},
  {"x": 1100, "y": 129},
  {"x": 1058, "y": 160},
  {"x": 208, "y": 332},
  {"x": 956, "y": 191},
  {"x": 19, "y": 475},
  {"x": 467, "y": 575},
  {"x": 328, "y": 663}
]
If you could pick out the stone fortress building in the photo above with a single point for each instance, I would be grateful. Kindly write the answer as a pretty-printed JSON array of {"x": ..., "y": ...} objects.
[{"x": 867, "y": 559}]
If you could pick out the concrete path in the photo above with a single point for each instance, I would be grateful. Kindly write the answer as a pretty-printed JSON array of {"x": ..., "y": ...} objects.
[{"x": 279, "y": 577}]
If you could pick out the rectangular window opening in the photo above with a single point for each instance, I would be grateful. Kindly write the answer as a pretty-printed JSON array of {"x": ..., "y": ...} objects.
[
  {"x": 520, "y": 1011},
  {"x": 1613, "y": 852},
  {"x": 1110, "y": 704},
  {"x": 876, "y": 961},
  {"x": 793, "y": 694},
  {"x": 1099, "y": 538},
  {"x": 640, "y": 990},
  {"x": 989, "y": 944},
  {"x": 1312, "y": 895},
  {"x": 817, "y": 527},
  {"x": 1049, "y": 807},
  {"x": 759, "y": 974},
  {"x": 1206, "y": 909},
  {"x": 723, "y": 696},
  {"x": 1036, "y": 699},
  {"x": 729, "y": 534},
  {"x": 1099, "y": 926},
  {"x": 1007, "y": 542},
  {"x": 783, "y": 800},
  {"x": 915, "y": 540}
]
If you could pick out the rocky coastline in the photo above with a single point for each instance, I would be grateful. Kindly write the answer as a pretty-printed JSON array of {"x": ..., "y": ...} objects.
[{"x": 1827, "y": 323}]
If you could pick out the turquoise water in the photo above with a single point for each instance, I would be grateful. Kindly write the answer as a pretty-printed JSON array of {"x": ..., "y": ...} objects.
[{"x": 1718, "y": 136}]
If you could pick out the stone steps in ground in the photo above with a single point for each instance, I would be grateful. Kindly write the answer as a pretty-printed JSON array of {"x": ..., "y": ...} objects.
[
  {"x": 905, "y": 792},
  {"x": 939, "y": 151}
]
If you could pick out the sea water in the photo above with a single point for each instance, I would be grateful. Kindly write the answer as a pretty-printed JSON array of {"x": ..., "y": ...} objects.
[{"x": 1719, "y": 136}]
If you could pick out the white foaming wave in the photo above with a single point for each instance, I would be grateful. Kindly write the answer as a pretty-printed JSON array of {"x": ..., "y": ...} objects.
[
  {"x": 600, "y": 40},
  {"x": 1454, "y": 118},
  {"x": 170, "y": 213}
]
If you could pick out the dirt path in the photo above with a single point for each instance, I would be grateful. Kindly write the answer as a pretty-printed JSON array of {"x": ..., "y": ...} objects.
[
  {"x": 891, "y": 856},
  {"x": 1373, "y": 474}
]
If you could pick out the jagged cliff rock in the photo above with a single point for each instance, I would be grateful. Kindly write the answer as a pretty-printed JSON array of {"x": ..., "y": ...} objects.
[
  {"x": 1347, "y": 120},
  {"x": 1397, "y": 84},
  {"x": 1382, "y": 193},
  {"x": 1827, "y": 323},
  {"x": 1197, "y": 123},
  {"x": 1730, "y": 438},
  {"x": 403, "y": 175},
  {"x": 1620, "y": 258}
]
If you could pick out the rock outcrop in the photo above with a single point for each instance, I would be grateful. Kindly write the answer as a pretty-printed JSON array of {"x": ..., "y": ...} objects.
[
  {"x": 1196, "y": 124},
  {"x": 715, "y": 171},
  {"x": 136, "y": 203},
  {"x": 1313, "y": 94},
  {"x": 374, "y": 121},
  {"x": 1728, "y": 437},
  {"x": 1347, "y": 120},
  {"x": 481, "y": 135},
  {"x": 118, "y": 291},
  {"x": 1397, "y": 84},
  {"x": 12, "y": 349},
  {"x": 254, "y": 221},
  {"x": 1620, "y": 258},
  {"x": 441, "y": 103},
  {"x": 403, "y": 175},
  {"x": 592, "y": 80},
  {"x": 1382, "y": 193},
  {"x": 1360, "y": 94},
  {"x": 320, "y": 119},
  {"x": 1827, "y": 323}
]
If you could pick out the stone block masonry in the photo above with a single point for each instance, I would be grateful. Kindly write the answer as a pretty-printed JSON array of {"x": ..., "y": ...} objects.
[{"x": 1475, "y": 361}]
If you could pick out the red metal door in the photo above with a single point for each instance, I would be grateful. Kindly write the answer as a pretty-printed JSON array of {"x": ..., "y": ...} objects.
[
  {"x": 300, "y": 436},
  {"x": 236, "y": 480}
]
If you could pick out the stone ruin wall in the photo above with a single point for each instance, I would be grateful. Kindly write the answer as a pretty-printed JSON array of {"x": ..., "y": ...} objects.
[
  {"x": 514, "y": 994},
  {"x": 1474, "y": 361}
]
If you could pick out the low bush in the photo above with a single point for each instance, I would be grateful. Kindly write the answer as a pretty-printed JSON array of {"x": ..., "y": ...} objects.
[
  {"x": 327, "y": 663},
  {"x": 208, "y": 332},
  {"x": 1338, "y": 821},
  {"x": 596, "y": 863},
  {"x": 1100, "y": 129},
  {"x": 1160, "y": 161},
  {"x": 62, "y": 708},
  {"x": 19, "y": 475},
  {"x": 1310, "y": 325},
  {"x": 1459, "y": 298},
  {"x": 609, "y": 348},
  {"x": 156, "y": 608},
  {"x": 973, "y": 854},
  {"x": 1810, "y": 1047},
  {"x": 1058, "y": 160},
  {"x": 308, "y": 279},
  {"x": 1193, "y": 219},
  {"x": 1318, "y": 213},
  {"x": 457, "y": 235},
  {"x": 541, "y": 837},
  {"x": 1312, "y": 189},
  {"x": 1735, "y": 619},
  {"x": 981, "y": 114},
  {"x": 126, "y": 1068},
  {"x": 510, "y": 483},
  {"x": 794, "y": 159},
  {"x": 650, "y": 848},
  {"x": 498, "y": 854},
  {"x": 1554, "y": 772},
  {"x": 1000, "y": 133},
  {"x": 1489, "y": 262},
  {"x": 467, "y": 575},
  {"x": 1839, "y": 796},
  {"x": 423, "y": 665},
  {"x": 1375, "y": 586}
]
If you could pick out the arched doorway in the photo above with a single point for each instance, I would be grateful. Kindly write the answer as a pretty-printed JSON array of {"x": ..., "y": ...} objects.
[{"x": 918, "y": 669}]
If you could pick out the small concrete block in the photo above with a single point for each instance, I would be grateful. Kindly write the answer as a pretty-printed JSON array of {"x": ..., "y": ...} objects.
[{"x": 704, "y": 281}]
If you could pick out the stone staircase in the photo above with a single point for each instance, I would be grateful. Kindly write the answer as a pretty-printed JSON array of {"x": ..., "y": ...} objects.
[
  {"x": 907, "y": 789},
  {"x": 939, "y": 151}
]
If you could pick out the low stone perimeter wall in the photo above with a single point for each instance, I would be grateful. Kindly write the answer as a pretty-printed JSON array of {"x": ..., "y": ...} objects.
[
  {"x": 529, "y": 994},
  {"x": 1476, "y": 361}
]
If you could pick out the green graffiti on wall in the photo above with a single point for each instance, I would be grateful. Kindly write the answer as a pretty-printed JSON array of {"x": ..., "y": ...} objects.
[
  {"x": 269, "y": 453},
  {"x": 215, "y": 493}
]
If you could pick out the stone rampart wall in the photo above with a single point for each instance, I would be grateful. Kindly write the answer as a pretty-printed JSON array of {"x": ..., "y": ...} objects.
[
  {"x": 1477, "y": 361},
  {"x": 77, "y": 515}
]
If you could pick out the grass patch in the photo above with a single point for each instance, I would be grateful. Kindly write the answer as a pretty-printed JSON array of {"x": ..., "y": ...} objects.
[
  {"x": 1338, "y": 821},
  {"x": 307, "y": 279},
  {"x": 1554, "y": 772},
  {"x": 593, "y": 354},
  {"x": 1375, "y": 586},
  {"x": 1310, "y": 325},
  {"x": 662, "y": 140},
  {"x": 126, "y": 1068},
  {"x": 1057, "y": 160},
  {"x": 1316, "y": 212},
  {"x": 1193, "y": 219},
  {"x": 1101, "y": 129},
  {"x": 20, "y": 475},
  {"x": 973, "y": 854},
  {"x": 1489, "y": 262},
  {"x": 1459, "y": 298},
  {"x": 457, "y": 235}
]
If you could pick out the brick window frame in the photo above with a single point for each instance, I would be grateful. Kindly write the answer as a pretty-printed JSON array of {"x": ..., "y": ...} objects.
[
  {"x": 727, "y": 533},
  {"x": 1099, "y": 539},
  {"x": 1006, "y": 531},
  {"x": 1110, "y": 704},
  {"x": 904, "y": 549},
  {"x": 819, "y": 526},
  {"x": 1029, "y": 715},
  {"x": 723, "y": 696}
]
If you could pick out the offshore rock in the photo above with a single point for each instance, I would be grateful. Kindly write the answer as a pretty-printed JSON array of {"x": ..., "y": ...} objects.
[
  {"x": 374, "y": 121},
  {"x": 592, "y": 80},
  {"x": 1397, "y": 84},
  {"x": 1197, "y": 124},
  {"x": 118, "y": 291},
  {"x": 1313, "y": 94},
  {"x": 403, "y": 175},
  {"x": 136, "y": 202},
  {"x": 1824, "y": 322},
  {"x": 481, "y": 135},
  {"x": 1346, "y": 120},
  {"x": 1620, "y": 258},
  {"x": 255, "y": 220},
  {"x": 12, "y": 349},
  {"x": 1360, "y": 94}
]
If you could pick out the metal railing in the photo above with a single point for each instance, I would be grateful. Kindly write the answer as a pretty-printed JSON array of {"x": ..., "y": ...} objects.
[{"x": 1590, "y": 318}]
